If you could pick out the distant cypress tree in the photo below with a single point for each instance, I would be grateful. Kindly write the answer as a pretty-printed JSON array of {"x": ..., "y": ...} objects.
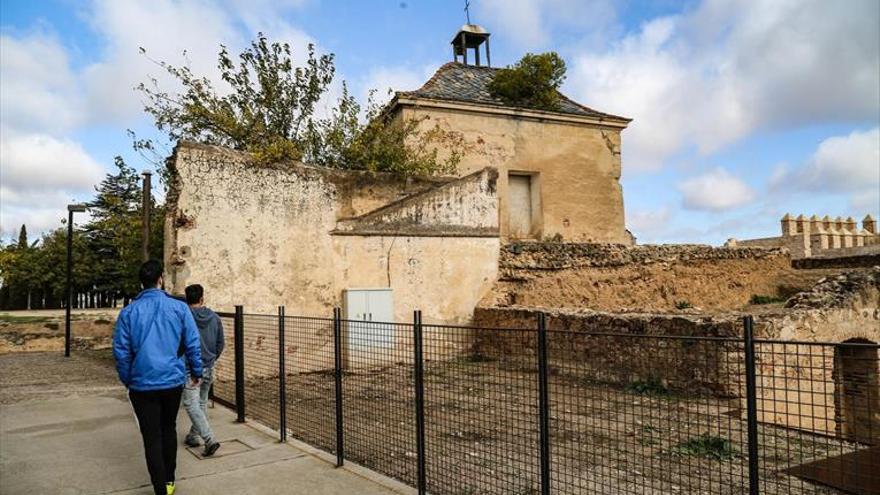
[{"x": 22, "y": 237}]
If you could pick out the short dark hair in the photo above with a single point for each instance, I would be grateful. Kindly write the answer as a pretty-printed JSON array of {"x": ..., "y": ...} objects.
[
  {"x": 194, "y": 293},
  {"x": 150, "y": 273}
]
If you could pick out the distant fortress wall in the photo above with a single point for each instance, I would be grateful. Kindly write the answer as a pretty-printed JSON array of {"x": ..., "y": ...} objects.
[{"x": 820, "y": 237}]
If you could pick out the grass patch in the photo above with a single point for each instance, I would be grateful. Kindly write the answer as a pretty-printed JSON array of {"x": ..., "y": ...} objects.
[
  {"x": 52, "y": 326},
  {"x": 651, "y": 386},
  {"x": 476, "y": 358},
  {"x": 759, "y": 299},
  {"x": 7, "y": 318},
  {"x": 683, "y": 305},
  {"x": 102, "y": 321},
  {"x": 707, "y": 447}
]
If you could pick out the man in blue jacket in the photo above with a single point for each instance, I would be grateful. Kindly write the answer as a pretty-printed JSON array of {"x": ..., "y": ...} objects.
[{"x": 152, "y": 336}]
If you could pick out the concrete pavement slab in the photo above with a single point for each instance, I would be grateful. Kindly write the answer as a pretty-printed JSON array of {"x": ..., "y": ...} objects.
[{"x": 90, "y": 445}]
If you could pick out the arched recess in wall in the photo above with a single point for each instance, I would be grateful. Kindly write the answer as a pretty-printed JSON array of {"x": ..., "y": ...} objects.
[{"x": 857, "y": 390}]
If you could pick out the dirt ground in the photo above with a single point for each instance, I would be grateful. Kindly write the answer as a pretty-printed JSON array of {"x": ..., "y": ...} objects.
[
  {"x": 27, "y": 376},
  {"x": 37, "y": 331},
  {"x": 482, "y": 427},
  {"x": 698, "y": 285}
]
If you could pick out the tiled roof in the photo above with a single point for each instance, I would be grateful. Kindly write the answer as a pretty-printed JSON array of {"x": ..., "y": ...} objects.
[{"x": 468, "y": 83}]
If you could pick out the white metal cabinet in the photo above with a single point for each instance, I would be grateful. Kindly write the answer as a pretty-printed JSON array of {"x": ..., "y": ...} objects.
[{"x": 370, "y": 315}]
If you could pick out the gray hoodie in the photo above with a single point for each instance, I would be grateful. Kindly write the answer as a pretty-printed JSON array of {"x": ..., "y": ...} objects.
[{"x": 211, "y": 333}]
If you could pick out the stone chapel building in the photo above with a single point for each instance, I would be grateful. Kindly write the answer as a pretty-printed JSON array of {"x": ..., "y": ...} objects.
[
  {"x": 559, "y": 171},
  {"x": 312, "y": 238}
]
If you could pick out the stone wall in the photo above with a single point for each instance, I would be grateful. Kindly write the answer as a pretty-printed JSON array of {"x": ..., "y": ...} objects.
[
  {"x": 643, "y": 278},
  {"x": 575, "y": 167},
  {"x": 270, "y": 236}
]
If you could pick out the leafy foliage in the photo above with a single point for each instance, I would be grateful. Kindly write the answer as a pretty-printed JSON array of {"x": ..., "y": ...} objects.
[
  {"x": 266, "y": 112},
  {"x": 533, "y": 82},
  {"x": 707, "y": 447},
  {"x": 380, "y": 143},
  {"x": 269, "y": 111}
]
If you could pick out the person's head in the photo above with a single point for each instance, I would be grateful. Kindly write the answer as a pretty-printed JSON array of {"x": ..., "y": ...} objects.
[
  {"x": 195, "y": 295},
  {"x": 151, "y": 274}
]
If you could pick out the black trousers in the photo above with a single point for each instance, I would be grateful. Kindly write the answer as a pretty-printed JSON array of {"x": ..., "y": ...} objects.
[{"x": 156, "y": 412}]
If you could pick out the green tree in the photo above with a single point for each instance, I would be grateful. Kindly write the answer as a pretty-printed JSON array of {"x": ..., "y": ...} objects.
[
  {"x": 270, "y": 112},
  {"x": 23, "y": 237},
  {"x": 266, "y": 112},
  {"x": 115, "y": 230},
  {"x": 533, "y": 82},
  {"x": 379, "y": 143}
]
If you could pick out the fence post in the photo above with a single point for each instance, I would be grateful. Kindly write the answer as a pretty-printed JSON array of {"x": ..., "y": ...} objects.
[
  {"x": 282, "y": 378},
  {"x": 751, "y": 404},
  {"x": 337, "y": 377},
  {"x": 543, "y": 404},
  {"x": 419, "y": 380},
  {"x": 239, "y": 363}
]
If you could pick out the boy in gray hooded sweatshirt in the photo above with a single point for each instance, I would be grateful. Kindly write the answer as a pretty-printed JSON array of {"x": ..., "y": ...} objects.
[{"x": 195, "y": 398}]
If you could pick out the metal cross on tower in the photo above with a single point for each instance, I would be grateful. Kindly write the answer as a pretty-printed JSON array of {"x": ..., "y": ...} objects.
[{"x": 467, "y": 10}]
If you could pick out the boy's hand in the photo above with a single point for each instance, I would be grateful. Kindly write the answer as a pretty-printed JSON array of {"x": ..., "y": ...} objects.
[{"x": 195, "y": 382}]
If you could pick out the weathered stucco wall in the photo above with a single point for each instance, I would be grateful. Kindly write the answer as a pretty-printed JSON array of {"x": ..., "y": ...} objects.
[
  {"x": 264, "y": 236},
  {"x": 577, "y": 168}
]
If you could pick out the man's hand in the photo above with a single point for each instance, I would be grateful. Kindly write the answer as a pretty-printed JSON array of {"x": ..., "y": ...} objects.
[{"x": 195, "y": 382}]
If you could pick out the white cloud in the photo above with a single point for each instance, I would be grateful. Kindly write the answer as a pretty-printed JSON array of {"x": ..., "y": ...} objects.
[
  {"x": 532, "y": 24},
  {"x": 843, "y": 164},
  {"x": 39, "y": 176},
  {"x": 716, "y": 190},
  {"x": 165, "y": 29},
  {"x": 38, "y": 162},
  {"x": 713, "y": 75},
  {"x": 39, "y": 90},
  {"x": 648, "y": 225},
  {"x": 395, "y": 78}
]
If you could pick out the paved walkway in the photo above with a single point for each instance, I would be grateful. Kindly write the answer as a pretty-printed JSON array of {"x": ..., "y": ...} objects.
[{"x": 89, "y": 444}]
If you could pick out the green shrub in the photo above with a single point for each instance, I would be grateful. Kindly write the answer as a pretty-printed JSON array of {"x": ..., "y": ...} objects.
[
  {"x": 533, "y": 82},
  {"x": 683, "y": 305},
  {"x": 706, "y": 446},
  {"x": 758, "y": 299},
  {"x": 651, "y": 386}
]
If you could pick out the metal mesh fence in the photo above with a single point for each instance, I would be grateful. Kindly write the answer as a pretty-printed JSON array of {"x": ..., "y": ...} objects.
[
  {"x": 646, "y": 414},
  {"x": 224, "y": 367},
  {"x": 818, "y": 406},
  {"x": 311, "y": 401},
  {"x": 573, "y": 412},
  {"x": 481, "y": 411},
  {"x": 378, "y": 407},
  {"x": 261, "y": 371}
]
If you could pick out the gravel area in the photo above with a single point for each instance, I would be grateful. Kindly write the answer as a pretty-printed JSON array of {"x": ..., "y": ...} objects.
[
  {"x": 482, "y": 432},
  {"x": 30, "y": 376}
]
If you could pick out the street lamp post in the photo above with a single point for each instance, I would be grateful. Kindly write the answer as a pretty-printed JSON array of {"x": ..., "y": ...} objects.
[
  {"x": 68, "y": 295},
  {"x": 146, "y": 215}
]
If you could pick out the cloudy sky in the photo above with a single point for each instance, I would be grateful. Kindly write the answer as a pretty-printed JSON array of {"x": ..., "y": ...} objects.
[{"x": 743, "y": 110}]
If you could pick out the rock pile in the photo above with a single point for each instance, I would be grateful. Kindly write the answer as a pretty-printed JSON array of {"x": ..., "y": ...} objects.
[
  {"x": 559, "y": 256},
  {"x": 839, "y": 291}
]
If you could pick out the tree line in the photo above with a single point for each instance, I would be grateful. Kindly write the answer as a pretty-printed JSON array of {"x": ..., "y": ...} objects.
[{"x": 107, "y": 251}]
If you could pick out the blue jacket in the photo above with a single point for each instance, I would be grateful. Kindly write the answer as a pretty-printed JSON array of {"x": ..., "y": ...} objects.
[{"x": 153, "y": 334}]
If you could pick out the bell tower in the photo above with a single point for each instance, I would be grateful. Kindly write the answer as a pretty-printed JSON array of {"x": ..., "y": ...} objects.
[{"x": 470, "y": 37}]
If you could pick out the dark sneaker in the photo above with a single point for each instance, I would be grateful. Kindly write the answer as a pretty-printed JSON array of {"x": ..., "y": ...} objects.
[
  {"x": 191, "y": 442},
  {"x": 211, "y": 448}
]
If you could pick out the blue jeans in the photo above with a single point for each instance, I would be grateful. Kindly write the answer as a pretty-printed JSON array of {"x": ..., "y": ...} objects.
[{"x": 195, "y": 401}]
